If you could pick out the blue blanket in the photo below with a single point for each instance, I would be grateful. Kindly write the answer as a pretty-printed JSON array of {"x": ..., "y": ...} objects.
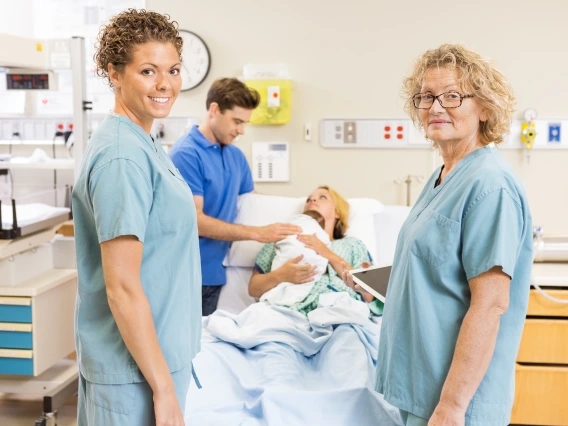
[{"x": 273, "y": 366}]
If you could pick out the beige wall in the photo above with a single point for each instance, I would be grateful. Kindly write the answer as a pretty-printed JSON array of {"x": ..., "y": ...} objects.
[{"x": 347, "y": 60}]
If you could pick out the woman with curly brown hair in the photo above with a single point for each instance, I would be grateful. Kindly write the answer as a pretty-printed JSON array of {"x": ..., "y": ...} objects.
[
  {"x": 138, "y": 311},
  {"x": 459, "y": 286}
]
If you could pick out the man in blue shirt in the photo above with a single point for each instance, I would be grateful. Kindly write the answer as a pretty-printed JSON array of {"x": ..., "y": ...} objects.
[{"x": 217, "y": 173}]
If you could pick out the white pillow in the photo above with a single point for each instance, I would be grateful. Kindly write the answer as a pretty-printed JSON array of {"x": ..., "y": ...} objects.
[
  {"x": 361, "y": 224},
  {"x": 261, "y": 210},
  {"x": 387, "y": 227}
]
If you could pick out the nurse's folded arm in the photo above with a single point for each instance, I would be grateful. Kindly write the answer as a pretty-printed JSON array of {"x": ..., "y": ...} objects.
[
  {"x": 475, "y": 345},
  {"x": 121, "y": 261},
  {"x": 216, "y": 229}
]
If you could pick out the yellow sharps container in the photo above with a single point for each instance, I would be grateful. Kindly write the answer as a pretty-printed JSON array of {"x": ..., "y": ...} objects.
[{"x": 274, "y": 85}]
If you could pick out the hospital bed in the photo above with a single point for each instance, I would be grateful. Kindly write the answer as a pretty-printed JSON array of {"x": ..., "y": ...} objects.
[{"x": 262, "y": 365}]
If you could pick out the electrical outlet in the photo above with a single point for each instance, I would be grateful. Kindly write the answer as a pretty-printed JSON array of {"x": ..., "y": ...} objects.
[
  {"x": 394, "y": 131},
  {"x": 350, "y": 132}
]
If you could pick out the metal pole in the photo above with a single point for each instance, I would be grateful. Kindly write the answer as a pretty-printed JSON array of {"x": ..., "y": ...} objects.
[
  {"x": 408, "y": 184},
  {"x": 80, "y": 105}
]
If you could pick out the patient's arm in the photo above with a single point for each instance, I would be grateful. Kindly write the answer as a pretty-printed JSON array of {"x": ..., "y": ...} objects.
[
  {"x": 314, "y": 243},
  {"x": 290, "y": 272},
  {"x": 216, "y": 229}
]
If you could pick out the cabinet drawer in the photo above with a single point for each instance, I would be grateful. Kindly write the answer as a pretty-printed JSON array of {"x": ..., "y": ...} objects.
[
  {"x": 13, "y": 361},
  {"x": 541, "y": 306},
  {"x": 540, "y": 396},
  {"x": 544, "y": 341},
  {"x": 16, "y": 309},
  {"x": 15, "y": 336}
]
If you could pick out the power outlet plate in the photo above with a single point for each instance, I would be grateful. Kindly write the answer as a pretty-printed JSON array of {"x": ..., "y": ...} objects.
[{"x": 370, "y": 133}]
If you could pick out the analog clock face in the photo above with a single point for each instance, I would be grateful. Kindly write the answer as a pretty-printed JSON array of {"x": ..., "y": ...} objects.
[{"x": 196, "y": 60}]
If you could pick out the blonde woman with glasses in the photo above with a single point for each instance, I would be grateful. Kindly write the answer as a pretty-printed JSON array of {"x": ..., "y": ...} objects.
[{"x": 459, "y": 286}]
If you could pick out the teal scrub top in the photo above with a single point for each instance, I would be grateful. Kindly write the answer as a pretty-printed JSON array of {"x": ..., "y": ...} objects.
[
  {"x": 477, "y": 218},
  {"x": 128, "y": 186}
]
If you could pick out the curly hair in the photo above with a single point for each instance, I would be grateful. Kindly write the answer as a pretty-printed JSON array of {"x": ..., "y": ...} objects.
[
  {"x": 118, "y": 38},
  {"x": 476, "y": 76}
]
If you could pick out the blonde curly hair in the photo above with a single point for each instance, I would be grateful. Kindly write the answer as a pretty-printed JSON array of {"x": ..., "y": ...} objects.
[
  {"x": 476, "y": 76},
  {"x": 118, "y": 38}
]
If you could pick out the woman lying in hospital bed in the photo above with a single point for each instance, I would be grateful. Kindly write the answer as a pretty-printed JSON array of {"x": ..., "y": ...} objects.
[
  {"x": 307, "y": 363},
  {"x": 299, "y": 284}
]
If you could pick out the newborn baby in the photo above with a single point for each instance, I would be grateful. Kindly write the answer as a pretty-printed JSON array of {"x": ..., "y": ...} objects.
[{"x": 286, "y": 294}]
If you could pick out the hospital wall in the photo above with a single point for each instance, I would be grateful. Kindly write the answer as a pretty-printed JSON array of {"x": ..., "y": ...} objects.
[{"x": 347, "y": 60}]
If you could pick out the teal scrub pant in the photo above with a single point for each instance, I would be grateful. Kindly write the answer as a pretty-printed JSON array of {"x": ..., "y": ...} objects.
[
  {"x": 409, "y": 419},
  {"x": 128, "y": 404}
]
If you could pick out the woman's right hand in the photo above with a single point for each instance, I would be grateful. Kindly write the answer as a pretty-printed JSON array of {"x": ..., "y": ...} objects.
[
  {"x": 292, "y": 272},
  {"x": 348, "y": 279},
  {"x": 167, "y": 409}
]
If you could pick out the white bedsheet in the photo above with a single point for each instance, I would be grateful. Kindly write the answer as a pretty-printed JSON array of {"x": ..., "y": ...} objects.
[
  {"x": 234, "y": 297},
  {"x": 272, "y": 366},
  {"x": 30, "y": 213}
]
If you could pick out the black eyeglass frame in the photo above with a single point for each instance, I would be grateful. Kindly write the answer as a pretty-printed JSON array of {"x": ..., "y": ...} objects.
[{"x": 462, "y": 97}]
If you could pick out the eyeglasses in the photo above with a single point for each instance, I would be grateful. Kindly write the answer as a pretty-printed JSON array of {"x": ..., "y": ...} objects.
[{"x": 447, "y": 100}]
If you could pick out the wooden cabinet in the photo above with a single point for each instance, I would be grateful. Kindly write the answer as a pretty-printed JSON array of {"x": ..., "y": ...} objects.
[{"x": 541, "y": 390}]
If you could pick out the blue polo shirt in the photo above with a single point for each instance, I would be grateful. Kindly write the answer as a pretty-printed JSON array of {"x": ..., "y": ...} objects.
[{"x": 219, "y": 174}]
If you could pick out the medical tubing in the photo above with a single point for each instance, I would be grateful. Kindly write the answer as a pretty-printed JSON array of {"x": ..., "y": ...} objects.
[
  {"x": 542, "y": 292},
  {"x": 549, "y": 297}
]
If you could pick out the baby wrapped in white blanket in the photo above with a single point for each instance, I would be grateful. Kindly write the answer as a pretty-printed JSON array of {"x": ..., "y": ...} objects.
[{"x": 286, "y": 294}]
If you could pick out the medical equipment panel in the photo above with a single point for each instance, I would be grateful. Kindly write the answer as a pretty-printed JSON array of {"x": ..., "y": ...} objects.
[
  {"x": 22, "y": 79},
  {"x": 544, "y": 133},
  {"x": 371, "y": 133},
  {"x": 270, "y": 162}
]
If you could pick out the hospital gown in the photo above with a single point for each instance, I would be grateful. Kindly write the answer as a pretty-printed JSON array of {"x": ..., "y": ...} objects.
[{"x": 350, "y": 249}]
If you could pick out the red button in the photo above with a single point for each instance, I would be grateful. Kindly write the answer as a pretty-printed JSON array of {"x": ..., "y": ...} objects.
[
  {"x": 399, "y": 136},
  {"x": 387, "y": 128},
  {"x": 387, "y": 136},
  {"x": 60, "y": 126},
  {"x": 275, "y": 95},
  {"x": 71, "y": 126},
  {"x": 399, "y": 128}
]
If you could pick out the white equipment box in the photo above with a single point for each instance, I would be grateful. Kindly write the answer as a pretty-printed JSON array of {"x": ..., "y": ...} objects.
[{"x": 270, "y": 162}]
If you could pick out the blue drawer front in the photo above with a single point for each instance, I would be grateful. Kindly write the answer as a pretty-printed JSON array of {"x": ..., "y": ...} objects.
[
  {"x": 15, "y": 340},
  {"x": 15, "y": 313},
  {"x": 18, "y": 366}
]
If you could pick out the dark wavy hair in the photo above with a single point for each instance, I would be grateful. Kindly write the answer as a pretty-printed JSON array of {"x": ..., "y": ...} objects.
[{"x": 230, "y": 92}]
